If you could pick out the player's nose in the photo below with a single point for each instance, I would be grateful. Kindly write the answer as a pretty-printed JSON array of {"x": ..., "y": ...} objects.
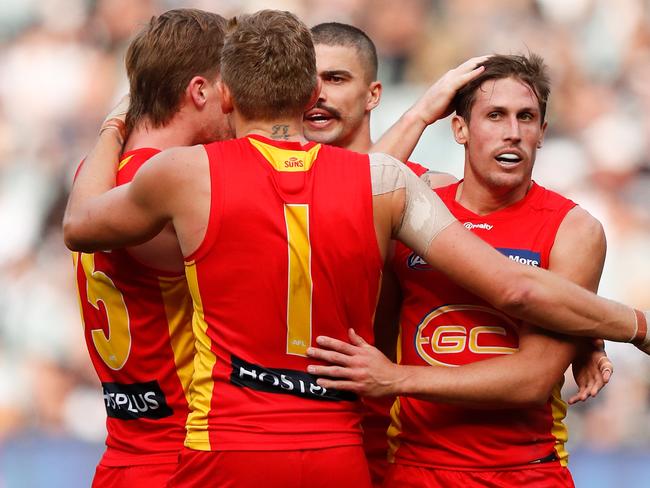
[{"x": 512, "y": 130}]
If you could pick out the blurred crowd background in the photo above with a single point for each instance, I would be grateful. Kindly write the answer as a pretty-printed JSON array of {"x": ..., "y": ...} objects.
[{"x": 62, "y": 68}]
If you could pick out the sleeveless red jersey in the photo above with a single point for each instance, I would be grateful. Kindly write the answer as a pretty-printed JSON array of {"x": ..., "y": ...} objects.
[
  {"x": 137, "y": 326},
  {"x": 445, "y": 326},
  {"x": 290, "y": 253}
]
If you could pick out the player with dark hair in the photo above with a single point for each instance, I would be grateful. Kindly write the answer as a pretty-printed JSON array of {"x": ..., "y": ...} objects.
[
  {"x": 346, "y": 60},
  {"x": 500, "y": 119},
  {"x": 135, "y": 302},
  {"x": 284, "y": 241},
  {"x": 347, "y": 66}
]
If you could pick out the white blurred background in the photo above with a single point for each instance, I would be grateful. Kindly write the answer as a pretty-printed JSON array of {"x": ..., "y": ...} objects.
[{"x": 62, "y": 68}]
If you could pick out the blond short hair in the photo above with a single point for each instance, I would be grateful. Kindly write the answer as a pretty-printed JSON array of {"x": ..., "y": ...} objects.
[
  {"x": 269, "y": 64},
  {"x": 165, "y": 55}
]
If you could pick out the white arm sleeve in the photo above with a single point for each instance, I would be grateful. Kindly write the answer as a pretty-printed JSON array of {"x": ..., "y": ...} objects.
[{"x": 424, "y": 215}]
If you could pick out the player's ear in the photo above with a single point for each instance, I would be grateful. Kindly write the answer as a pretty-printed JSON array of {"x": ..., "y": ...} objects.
[
  {"x": 197, "y": 90},
  {"x": 226, "y": 97},
  {"x": 460, "y": 129},
  {"x": 374, "y": 95},
  {"x": 315, "y": 94}
]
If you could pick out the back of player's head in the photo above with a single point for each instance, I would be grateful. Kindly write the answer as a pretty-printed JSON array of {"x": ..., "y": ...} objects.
[
  {"x": 269, "y": 65},
  {"x": 165, "y": 55},
  {"x": 530, "y": 69},
  {"x": 337, "y": 34}
]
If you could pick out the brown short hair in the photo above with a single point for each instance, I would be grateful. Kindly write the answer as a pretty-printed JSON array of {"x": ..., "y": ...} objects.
[
  {"x": 165, "y": 55},
  {"x": 269, "y": 64},
  {"x": 338, "y": 34},
  {"x": 529, "y": 69}
]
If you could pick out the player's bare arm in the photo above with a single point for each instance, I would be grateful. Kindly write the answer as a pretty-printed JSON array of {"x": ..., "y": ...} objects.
[
  {"x": 525, "y": 377},
  {"x": 578, "y": 255},
  {"x": 421, "y": 221},
  {"x": 166, "y": 189},
  {"x": 400, "y": 140},
  {"x": 532, "y": 294},
  {"x": 97, "y": 173}
]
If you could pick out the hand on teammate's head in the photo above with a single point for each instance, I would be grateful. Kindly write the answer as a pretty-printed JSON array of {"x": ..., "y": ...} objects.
[{"x": 116, "y": 118}]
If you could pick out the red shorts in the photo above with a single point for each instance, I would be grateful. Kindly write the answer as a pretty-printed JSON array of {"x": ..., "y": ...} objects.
[
  {"x": 343, "y": 467},
  {"x": 378, "y": 465},
  {"x": 130, "y": 476},
  {"x": 375, "y": 446},
  {"x": 404, "y": 476}
]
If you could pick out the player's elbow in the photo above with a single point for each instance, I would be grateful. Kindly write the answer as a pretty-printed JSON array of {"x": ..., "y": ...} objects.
[
  {"x": 74, "y": 235},
  {"x": 528, "y": 388},
  {"x": 514, "y": 296},
  {"x": 535, "y": 393},
  {"x": 521, "y": 391},
  {"x": 70, "y": 237}
]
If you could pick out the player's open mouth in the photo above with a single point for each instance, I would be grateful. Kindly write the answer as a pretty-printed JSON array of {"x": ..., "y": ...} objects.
[
  {"x": 507, "y": 158},
  {"x": 319, "y": 117}
]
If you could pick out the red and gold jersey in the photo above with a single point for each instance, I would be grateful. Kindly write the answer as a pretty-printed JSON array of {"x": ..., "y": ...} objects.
[
  {"x": 290, "y": 253},
  {"x": 443, "y": 325},
  {"x": 137, "y": 325}
]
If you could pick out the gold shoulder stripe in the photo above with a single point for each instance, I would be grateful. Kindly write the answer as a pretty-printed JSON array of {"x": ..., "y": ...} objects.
[
  {"x": 286, "y": 160},
  {"x": 124, "y": 162}
]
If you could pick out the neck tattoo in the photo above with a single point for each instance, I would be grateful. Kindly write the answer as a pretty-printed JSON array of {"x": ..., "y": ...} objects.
[{"x": 280, "y": 132}]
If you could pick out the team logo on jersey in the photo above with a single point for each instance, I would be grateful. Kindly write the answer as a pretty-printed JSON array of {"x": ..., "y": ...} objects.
[
  {"x": 294, "y": 162},
  {"x": 135, "y": 401},
  {"x": 416, "y": 262},
  {"x": 287, "y": 381},
  {"x": 523, "y": 256},
  {"x": 453, "y": 335},
  {"x": 484, "y": 226}
]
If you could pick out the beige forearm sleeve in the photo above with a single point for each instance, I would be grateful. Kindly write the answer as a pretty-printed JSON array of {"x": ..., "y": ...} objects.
[
  {"x": 424, "y": 215},
  {"x": 641, "y": 338}
]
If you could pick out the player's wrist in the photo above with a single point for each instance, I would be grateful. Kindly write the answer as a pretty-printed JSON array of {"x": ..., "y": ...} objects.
[
  {"x": 115, "y": 120},
  {"x": 406, "y": 381},
  {"x": 115, "y": 126},
  {"x": 392, "y": 387},
  {"x": 417, "y": 116}
]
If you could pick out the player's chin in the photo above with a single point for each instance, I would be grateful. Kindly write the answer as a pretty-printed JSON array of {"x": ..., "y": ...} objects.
[{"x": 319, "y": 133}]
